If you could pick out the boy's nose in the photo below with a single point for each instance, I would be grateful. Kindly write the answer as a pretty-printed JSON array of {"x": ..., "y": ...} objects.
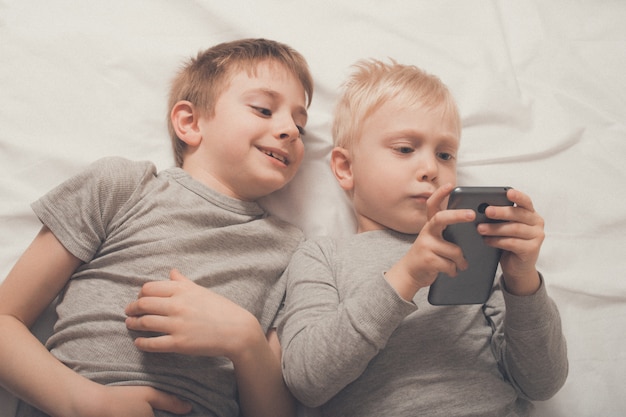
[
  {"x": 286, "y": 129},
  {"x": 428, "y": 169},
  {"x": 289, "y": 133}
]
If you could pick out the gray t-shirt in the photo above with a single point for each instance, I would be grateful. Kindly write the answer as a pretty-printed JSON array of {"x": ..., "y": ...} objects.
[
  {"x": 353, "y": 346},
  {"x": 130, "y": 225}
]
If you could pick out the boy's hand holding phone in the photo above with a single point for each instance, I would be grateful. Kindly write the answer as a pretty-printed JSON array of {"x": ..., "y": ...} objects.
[
  {"x": 430, "y": 254},
  {"x": 474, "y": 284},
  {"x": 520, "y": 238},
  {"x": 509, "y": 224}
]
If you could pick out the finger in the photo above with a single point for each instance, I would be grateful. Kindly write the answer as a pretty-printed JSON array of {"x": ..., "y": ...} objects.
[
  {"x": 163, "y": 288},
  {"x": 517, "y": 230},
  {"x": 156, "y": 344},
  {"x": 525, "y": 250},
  {"x": 448, "y": 262},
  {"x": 160, "y": 400},
  {"x": 149, "y": 323},
  {"x": 454, "y": 259},
  {"x": 436, "y": 200},
  {"x": 520, "y": 199},
  {"x": 511, "y": 216},
  {"x": 452, "y": 268},
  {"x": 148, "y": 305},
  {"x": 175, "y": 275},
  {"x": 157, "y": 289},
  {"x": 438, "y": 254},
  {"x": 445, "y": 218}
]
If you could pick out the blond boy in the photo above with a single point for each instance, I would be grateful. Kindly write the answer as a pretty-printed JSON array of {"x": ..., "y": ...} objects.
[{"x": 359, "y": 336}]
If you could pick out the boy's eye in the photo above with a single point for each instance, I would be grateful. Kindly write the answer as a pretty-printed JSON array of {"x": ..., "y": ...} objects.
[
  {"x": 404, "y": 149},
  {"x": 445, "y": 156},
  {"x": 263, "y": 111},
  {"x": 301, "y": 130}
]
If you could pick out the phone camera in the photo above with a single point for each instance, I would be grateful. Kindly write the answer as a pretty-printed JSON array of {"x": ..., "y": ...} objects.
[{"x": 482, "y": 208}]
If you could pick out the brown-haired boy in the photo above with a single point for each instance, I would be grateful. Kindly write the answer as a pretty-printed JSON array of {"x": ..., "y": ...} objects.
[{"x": 237, "y": 114}]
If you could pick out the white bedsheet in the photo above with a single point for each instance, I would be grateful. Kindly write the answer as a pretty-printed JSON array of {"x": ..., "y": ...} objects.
[{"x": 540, "y": 84}]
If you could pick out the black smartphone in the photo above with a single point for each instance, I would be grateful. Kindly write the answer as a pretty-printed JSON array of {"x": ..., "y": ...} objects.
[{"x": 473, "y": 285}]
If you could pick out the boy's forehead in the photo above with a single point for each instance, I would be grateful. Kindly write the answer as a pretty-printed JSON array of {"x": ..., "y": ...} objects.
[
  {"x": 266, "y": 72},
  {"x": 442, "y": 110},
  {"x": 258, "y": 79},
  {"x": 257, "y": 68},
  {"x": 399, "y": 117},
  {"x": 262, "y": 70}
]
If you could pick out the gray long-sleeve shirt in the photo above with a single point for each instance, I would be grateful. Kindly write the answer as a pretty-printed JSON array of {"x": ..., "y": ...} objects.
[{"x": 354, "y": 347}]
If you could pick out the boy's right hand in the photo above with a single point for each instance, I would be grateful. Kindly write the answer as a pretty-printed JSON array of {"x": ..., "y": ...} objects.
[
  {"x": 430, "y": 254},
  {"x": 192, "y": 320}
]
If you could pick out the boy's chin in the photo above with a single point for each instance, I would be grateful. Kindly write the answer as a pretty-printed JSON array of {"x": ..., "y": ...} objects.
[
  {"x": 407, "y": 228},
  {"x": 385, "y": 221},
  {"x": 271, "y": 184},
  {"x": 410, "y": 226}
]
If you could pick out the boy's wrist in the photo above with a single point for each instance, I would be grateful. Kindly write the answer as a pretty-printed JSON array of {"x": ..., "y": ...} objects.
[
  {"x": 86, "y": 397},
  {"x": 403, "y": 285},
  {"x": 522, "y": 285},
  {"x": 248, "y": 342}
]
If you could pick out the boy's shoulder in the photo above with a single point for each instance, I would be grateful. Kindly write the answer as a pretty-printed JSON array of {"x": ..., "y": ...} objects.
[
  {"x": 282, "y": 232},
  {"x": 118, "y": 164},
  {"x": 106, "y": 177},
  {"x": 115, "y": 171},
  {"x": 358, "y": 240},
  {"x": 357, "y": 249}
]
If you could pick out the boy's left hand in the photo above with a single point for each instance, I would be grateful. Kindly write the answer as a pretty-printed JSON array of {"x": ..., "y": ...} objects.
[
  {"x": 191, "y": 320},
  {"x": 520, "y": 237}
]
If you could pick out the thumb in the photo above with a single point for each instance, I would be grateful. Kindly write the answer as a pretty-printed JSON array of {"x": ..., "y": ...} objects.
[{"x": 160, "y": 400}]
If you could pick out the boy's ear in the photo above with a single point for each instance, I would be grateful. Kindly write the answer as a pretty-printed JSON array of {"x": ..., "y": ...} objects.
[
  {"x": 184, "y": 118},
  {"x": 341, "y": 164}
]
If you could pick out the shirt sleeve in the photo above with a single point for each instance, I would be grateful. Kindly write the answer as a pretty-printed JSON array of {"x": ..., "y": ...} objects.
[
  {"x": 528, "y": 341},
  {"x": 79, "y": 210},
  {"x": 273, "y": 309},
  {"x": 328, "y": 341}
]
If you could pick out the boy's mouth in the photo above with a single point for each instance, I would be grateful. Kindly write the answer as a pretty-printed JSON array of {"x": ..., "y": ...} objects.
[{"x": 275, "y": 155}]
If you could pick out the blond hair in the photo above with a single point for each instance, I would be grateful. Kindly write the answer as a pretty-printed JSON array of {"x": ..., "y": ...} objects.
[
  {"x": 373, "y": 83},
  {"x": 205, "y": 77}
]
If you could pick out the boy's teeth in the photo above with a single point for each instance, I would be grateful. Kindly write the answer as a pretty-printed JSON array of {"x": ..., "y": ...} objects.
[{"x": 280, "y": 158}]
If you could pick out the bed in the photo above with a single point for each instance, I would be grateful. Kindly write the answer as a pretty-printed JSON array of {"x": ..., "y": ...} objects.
[{"x": 540, "y": 85}]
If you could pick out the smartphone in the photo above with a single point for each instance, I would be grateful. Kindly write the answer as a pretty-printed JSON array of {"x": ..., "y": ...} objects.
[{"x": 472, "y": 286}]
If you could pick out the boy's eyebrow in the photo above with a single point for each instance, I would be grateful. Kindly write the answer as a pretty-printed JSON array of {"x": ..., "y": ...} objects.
[{"x": 451, "y": 140}]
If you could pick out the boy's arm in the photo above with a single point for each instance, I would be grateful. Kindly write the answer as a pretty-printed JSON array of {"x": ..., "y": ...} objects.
[
  {"x": 262, "y": 390},
  {"x": 197, "y": 321},
  {"x": 533, "y": 348},
  {"x": 520, "y": 237},
  {"x": 28, "y": 370},
  {"x": 430, "y": 254},
  {"x": 536, "y": 351},
  {"x": 528, "y": 341},
  {"x": 327, "y": 339},
  {"x": 35, "y": 280}
]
